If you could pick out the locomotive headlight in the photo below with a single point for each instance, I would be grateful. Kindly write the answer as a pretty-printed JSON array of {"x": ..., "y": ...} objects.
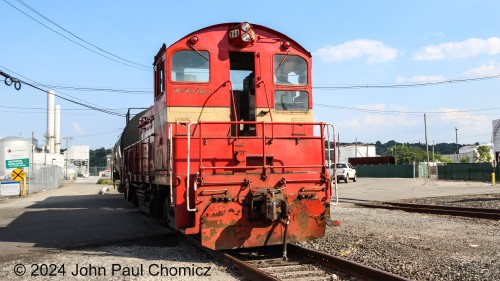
[
  {"x": 241, "y": 35},
  {"x": 245, "y": 26},
  {"x": 245, "y": 37}
]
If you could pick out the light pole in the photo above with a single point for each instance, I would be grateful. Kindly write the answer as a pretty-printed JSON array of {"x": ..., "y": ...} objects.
[{"x": 456, "y": 141}]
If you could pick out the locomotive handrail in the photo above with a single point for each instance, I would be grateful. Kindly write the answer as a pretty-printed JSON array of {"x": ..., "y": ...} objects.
[
  {"x": 170, "y": 163},
  {"x": 264, "y": 165},
  {"x": 332, "y": 170},
  {"x": 188, "y": 180}
]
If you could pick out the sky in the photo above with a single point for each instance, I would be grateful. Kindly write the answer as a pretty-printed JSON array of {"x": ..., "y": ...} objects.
[{"x": 378, "y": 66}]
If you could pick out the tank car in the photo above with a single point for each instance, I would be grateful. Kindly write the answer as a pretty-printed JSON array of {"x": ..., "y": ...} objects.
[{"x": 229, "y": 152}]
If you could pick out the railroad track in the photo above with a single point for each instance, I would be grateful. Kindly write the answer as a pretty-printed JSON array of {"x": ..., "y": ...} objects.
[
  {"x": 492, "y": 214},
  {"x": 267, "y": 263}
]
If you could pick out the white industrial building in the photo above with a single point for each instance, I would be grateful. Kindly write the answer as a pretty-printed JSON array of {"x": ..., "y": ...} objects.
[
  {"x": 77, "y": 159},
  {"x": 468, "y": 152},
  {"x": 42, "y": 166},
  {"x": 355, "y": 151}
]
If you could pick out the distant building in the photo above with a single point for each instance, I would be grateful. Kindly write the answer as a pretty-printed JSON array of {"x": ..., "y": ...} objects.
[
  {"x": 77, "y": 159},
  {"x": 467, "y": 152},
  {"x": 353, "y": 151}
]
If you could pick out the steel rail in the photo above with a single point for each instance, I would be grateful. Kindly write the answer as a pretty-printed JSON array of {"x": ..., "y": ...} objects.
[
  {"x": 249, "y": 271},
  {"x": 336, "y": 263},
  {"x": 340, "y": 264},
  {"x": 492, "y": 214}
]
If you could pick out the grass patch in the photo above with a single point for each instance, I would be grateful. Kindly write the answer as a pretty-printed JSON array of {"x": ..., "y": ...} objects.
[{"x": 105, "y": 181}]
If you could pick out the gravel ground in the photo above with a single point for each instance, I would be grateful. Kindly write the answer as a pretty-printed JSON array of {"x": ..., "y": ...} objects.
[
  {"x": 491, "y": 201},
  {"x": 417, "y": 246},
  {"x": 134, "y": 261}
]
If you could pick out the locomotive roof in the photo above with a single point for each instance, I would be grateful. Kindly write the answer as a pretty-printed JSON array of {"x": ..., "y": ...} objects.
[{"x": 229, "y": 24}]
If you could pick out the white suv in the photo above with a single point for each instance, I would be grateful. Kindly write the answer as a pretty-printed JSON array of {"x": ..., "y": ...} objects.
[{"x": 345, "y": 171}]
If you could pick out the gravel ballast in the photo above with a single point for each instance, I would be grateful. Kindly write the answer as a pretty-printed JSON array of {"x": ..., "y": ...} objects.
[{"x": 416, "y": 246}]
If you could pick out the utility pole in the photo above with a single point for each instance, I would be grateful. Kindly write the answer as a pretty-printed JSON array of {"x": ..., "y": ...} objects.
[
  {"x": 427, "y": 147},
  {"x": 433, "y": 159},
  {"x": 456, "y": 141},
  {"x": 67, "y": 139},
  {"x": 338, "y": 148}
]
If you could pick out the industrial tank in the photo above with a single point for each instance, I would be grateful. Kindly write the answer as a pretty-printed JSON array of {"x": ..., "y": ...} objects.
[
  {"x": 129, "y": 136},
  {"x": 12, "y": 148}
]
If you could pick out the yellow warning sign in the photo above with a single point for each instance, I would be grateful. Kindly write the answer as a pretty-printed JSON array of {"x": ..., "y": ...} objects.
[{"x": 18, "y": 174}]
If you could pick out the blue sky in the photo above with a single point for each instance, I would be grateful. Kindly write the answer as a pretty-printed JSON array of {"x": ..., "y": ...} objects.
[{"x": 353, "y": 43}]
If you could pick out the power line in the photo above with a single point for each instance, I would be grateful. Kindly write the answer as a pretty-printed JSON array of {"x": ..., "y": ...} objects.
[
  {"x": 124, "y": 61},
  {"x": 17, "y": 81},
  {"x": 62, "y": 109},
  {"x": 397, "y": 112},
  {"x": 98, "y": 89},
  {"x": 42, "y": 85},
  {"x": 407, "y": 85},
  {"x": 76, "y": 36}
]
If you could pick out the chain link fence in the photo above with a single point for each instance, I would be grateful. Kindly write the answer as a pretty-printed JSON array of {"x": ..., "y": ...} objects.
[
  {"x": 99, "y": 171},
  {"x": 41, "y": 177}
]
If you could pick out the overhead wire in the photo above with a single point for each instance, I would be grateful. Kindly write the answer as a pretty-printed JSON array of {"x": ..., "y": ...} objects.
[
  {"x": 17, "y": 80},
  {"x": 78, "y": 37},
  {"x": 398, "y": 112},
  {"x": 42, "y": 85},
  {"x": 124, "y": 61},
  {"x": 407, "y": 85}
]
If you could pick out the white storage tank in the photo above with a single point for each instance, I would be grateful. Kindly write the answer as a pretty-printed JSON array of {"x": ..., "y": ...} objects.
[{"x": 12, "y": 148}]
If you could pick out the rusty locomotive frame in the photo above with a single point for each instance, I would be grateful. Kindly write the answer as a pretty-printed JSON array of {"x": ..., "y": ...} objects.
[{"x": 229, "y": 152}]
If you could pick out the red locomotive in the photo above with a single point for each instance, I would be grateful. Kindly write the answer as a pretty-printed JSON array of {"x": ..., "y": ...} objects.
[{"x": 229, "y": 152}]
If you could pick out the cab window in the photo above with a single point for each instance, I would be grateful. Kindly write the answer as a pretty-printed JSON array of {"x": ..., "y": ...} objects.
[
  {"x": 160, "y": 76},
  {"x": 290, "y": 70},
  {"x": 291, "y": 100},
  {"x": 190, "y": 66}
]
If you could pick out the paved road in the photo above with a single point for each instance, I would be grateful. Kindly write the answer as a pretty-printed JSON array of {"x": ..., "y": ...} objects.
[
  {"x": 388, "y": 189},
  {"x": 74, "y": 215}
]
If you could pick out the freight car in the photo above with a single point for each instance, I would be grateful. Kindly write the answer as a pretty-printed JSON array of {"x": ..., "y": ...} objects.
[{"x": 229, "y": 152}]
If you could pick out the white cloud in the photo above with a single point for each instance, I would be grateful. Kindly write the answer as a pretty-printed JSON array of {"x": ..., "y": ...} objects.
[
  {"x": 420, "y": 79},
  {"x": 469, "y": 124},
  {"x": 77, "y": 128},
  {"x": 471, "y": 47},
  {"x": 490, "y": 68},
  {"x": 374, "y": 51}
]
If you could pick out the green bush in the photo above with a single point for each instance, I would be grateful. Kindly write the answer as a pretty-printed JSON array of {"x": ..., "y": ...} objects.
[{"x": 105, "y": 181}]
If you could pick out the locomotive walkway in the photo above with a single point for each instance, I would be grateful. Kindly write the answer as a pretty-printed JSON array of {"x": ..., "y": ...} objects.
[{"x": 72, "y": 216}]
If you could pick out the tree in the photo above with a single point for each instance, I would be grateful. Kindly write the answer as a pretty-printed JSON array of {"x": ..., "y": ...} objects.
[
  {"x": 407, "y": 154},
  {"x": 465, "y": 160},
  {"x": 484, "y": 155},
  {"x": 98, "y": 157}
]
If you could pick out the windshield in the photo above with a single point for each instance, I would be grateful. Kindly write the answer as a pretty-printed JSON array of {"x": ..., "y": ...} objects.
[
  {"x": 190, "y": 66},
  {"x": 290, "y": 70},
  {"x": 341, "y": 165}
]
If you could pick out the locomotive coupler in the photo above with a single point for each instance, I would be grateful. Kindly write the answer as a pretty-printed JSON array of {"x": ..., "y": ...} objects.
[{"x": 268, "y": 205}]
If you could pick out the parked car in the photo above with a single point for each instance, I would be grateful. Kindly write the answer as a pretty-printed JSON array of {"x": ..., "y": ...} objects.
[{"x": 345, "y": 171}]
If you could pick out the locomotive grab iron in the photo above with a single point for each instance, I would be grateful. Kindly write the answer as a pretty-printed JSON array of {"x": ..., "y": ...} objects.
[{"x": 229, "y": 152}]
